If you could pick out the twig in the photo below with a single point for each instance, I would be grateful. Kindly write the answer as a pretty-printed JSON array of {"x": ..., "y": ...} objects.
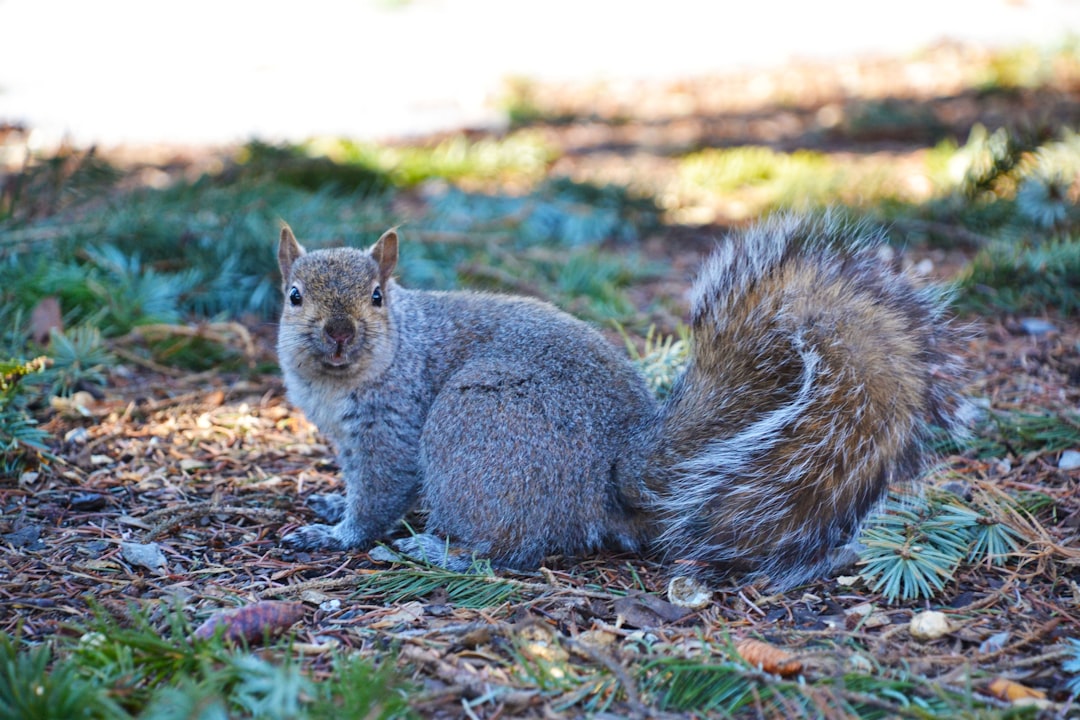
[
  {"x": 1027, "y": 639},
  {"x": 215, "y": 331},
  {"x": 316, "y": 585},
  {"x": 147, "y": 363},
  {"x": 180, "y": 517}
]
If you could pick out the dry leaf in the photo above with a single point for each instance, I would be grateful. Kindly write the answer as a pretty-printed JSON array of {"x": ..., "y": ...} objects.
[
  {"x": 648, "y": 611},
  {"x": 410, "y": 613},
  {"x": 768, "y": 657},
  {"x": 1013, "y": 691},
  {"x": 44, "y": 318}
]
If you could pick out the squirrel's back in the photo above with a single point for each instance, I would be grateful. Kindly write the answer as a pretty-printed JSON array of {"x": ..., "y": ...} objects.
[{"x": 815, "y": 371}]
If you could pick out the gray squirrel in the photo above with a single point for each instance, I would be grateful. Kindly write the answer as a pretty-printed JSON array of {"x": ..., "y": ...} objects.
[{"x": 814, "y": 373}]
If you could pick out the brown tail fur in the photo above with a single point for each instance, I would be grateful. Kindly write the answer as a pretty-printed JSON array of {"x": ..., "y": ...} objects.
[{"x": 814, "y": 373}]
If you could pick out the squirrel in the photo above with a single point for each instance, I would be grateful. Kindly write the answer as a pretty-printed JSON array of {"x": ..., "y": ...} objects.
[{"x": 815, "y": 372}]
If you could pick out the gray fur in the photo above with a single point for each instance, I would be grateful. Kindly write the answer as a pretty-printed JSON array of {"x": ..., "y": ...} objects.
[{"x": 525, "y": 433}]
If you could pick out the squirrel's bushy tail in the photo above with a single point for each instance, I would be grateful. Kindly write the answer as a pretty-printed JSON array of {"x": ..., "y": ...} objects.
[{"x": 815, "y": 371}]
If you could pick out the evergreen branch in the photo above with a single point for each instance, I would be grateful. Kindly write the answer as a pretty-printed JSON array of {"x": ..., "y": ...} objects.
[{"x": 917, "y": 544}]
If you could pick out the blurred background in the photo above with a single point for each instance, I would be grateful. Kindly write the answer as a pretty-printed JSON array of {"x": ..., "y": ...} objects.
[{"x": 124, "y": 71}]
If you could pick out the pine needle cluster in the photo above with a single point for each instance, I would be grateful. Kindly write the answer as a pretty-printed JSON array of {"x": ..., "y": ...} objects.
[{"x": 915, "y": 546}]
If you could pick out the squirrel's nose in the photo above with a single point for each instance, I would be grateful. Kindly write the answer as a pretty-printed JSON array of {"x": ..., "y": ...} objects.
[{"x": 340, "y": 330}]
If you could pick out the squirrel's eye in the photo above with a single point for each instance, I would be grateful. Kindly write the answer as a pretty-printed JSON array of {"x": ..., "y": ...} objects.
[
  {"x": 294, "y": 296},
  {"x": 376, "y": 297}
]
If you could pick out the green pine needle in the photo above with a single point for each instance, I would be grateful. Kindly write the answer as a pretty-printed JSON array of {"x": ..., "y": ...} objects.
[
  {"x": 681, "y": 684},
  {"x": 914, "y": 547},
  {"x": 36, "y": 686},
  {"x": 463, "y": 589},
  {"x": 663, "y": 358}
]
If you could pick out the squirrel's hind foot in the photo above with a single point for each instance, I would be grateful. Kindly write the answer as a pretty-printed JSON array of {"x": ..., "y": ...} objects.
[{"x": 435, "y": 550}]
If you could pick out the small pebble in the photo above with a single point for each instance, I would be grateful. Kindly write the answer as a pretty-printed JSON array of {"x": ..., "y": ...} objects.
[
  {"x": 330, "y": 605},
  {"x": 1037, "y": 326},
  {"x": 994, "y": 643},
  {"x": 929, "y": 625},
  {"x": 87, "y": 501},
  {"x": 1069, "y": 460},
  {"x": 146, "y": 555},
  {"x": 77, "y": 436},
  {"x": 27, "y": 537}
]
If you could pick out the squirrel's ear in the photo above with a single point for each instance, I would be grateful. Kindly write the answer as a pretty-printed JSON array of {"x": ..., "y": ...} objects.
[
  {"x": 287, "y": 252},
  {"x": 385, "y": 253}
]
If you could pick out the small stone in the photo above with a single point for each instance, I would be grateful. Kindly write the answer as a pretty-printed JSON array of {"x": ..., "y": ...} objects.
[
  {"x": 27, "y": 537},
  {"x": 994, "y": 643},
  {"x": 1037, "y": 326},
  {"x": 87, "y": 501},
  {"x": 924, "y": 267},
  {"x": 77, "y": 436},
  {"x": 929, "y": 625},
  {"x": 865, "y": 615},
  {"x": 1069, "y": 460},
  {"x": 314, "y": 597},
  {"x": 860, "y": 610},
  {"x": 147, "y": 555}
]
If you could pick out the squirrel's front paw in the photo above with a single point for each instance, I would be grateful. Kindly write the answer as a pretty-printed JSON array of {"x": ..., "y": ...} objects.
[{"x": 313, "y": 537}]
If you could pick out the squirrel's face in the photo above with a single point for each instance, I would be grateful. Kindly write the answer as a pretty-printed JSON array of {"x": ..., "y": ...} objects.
[{"x": 335, "y": 315}]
